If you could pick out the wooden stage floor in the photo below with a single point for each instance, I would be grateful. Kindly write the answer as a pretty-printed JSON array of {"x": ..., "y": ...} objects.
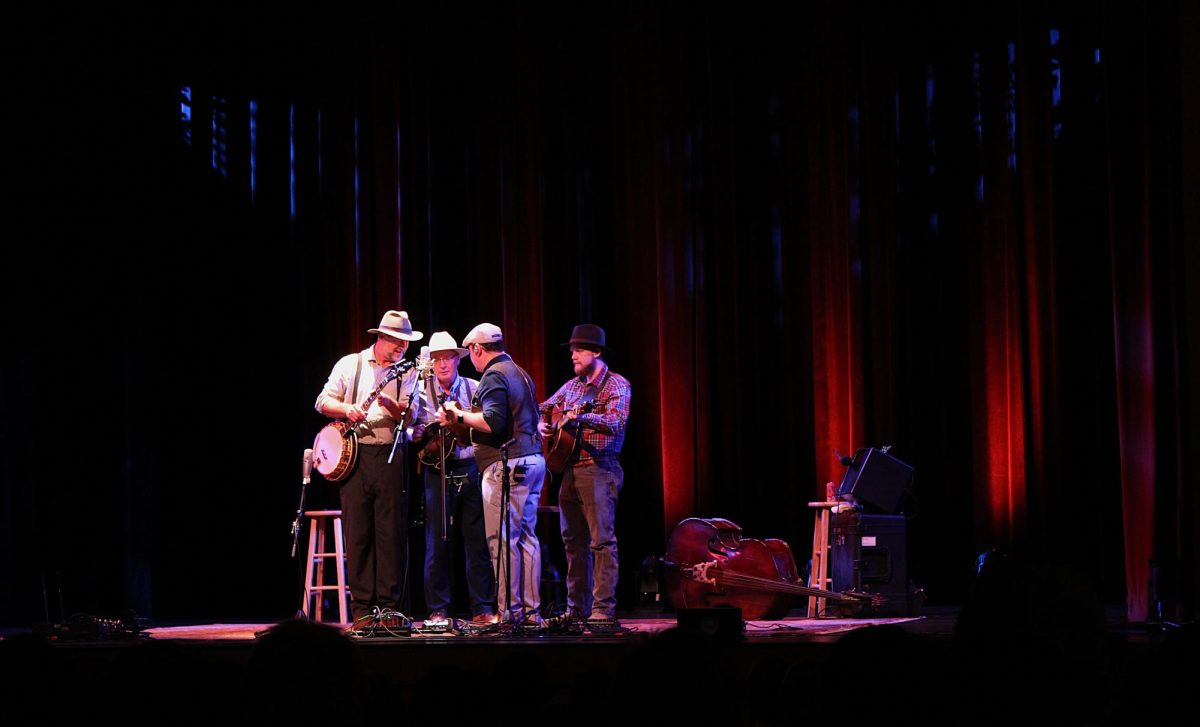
[{"x": 791, "y": 628}]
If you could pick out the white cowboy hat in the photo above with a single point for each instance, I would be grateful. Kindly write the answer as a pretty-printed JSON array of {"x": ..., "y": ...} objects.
[{"x": 443, "y": 341}]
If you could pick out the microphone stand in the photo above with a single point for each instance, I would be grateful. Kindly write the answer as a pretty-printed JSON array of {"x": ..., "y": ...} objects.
[
  {"x": 506, "y": 480},
  {"x": 299, "y": 516},
  {"x": 505, "y": 529},
  {"x": 403, "y": 433},
  {"x": 297, "y": 525},
  {"x": 442, "y": 472},
  {"x": 401, "y": 430}
]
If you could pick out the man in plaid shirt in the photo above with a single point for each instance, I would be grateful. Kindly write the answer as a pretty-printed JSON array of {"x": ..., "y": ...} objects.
[{"x": 593, "y": 477}]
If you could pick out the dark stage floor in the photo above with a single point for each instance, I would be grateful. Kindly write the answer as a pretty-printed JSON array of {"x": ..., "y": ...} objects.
[{"x": 790, "y": 671}]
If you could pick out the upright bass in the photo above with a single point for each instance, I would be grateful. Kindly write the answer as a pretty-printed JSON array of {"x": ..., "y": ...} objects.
[{"x": 710, "y": 564}]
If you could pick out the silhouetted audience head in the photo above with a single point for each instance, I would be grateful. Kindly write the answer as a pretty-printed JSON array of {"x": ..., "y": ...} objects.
[
  {"x": 1030, "y": 642},
  {"x": 307, "y": 671},
  {"x": 677, "y": 676}
]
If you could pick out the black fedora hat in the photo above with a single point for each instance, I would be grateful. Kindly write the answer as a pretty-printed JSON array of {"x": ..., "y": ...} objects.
[{"x": 588, "y": 336}]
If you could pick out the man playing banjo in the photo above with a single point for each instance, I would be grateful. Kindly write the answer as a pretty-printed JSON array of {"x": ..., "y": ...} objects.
[{"x": 374, "y": 507}]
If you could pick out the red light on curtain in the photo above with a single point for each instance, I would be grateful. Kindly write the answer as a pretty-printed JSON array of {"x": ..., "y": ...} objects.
[
  {"x": 1003, "y": 457},
  {"x": 1000, "y": 397},
  {"x": 838, "y": 410}
]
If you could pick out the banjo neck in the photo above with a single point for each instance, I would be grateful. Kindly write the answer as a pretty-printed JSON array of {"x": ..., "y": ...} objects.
[{"x": 393, "y": 371}]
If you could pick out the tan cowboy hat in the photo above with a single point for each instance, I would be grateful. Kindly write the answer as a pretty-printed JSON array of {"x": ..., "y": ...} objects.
[
  {"x": 395, "y": 323},
  {"x": 483, "y": 333},
  {"x": 443, "y": 341}
]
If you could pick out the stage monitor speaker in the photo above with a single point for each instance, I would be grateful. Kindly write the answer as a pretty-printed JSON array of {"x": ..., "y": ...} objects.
[
  {"x": 876, "y": 479},
  {"x": 868, "y": 553}
]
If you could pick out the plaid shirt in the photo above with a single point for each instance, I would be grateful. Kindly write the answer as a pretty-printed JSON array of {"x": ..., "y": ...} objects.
[{"x": 603, "y": 428}]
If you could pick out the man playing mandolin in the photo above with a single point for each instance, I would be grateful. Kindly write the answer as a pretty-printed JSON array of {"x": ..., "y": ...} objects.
[
  {"x": 595, "y": 402},
  {"x": 461, "y": 485},
  {"x": 373, "y": 503}
]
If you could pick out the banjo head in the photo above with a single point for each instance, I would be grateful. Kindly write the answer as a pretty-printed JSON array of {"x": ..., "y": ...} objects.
[{"x": 335, "y": 450}]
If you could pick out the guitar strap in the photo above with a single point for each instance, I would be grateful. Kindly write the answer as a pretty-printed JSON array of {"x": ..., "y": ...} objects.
[
  {"x": 512, "y": 411},
  {"x": 470, "y": 387},
  {"x": 528, "y": 383},
  {"x": 532, "y": 396},
  {"x": 590, "y": 391}
]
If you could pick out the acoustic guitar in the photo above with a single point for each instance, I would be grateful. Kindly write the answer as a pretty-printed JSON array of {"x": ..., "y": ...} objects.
[{"x": 562, "y": 442}]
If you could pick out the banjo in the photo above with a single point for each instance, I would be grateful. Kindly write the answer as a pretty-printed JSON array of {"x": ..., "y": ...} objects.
[{"x": 335, "y": 449}]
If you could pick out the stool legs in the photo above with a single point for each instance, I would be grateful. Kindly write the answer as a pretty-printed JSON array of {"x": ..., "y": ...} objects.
[
  {"x": 820, "y": 556},
  {"x": 319, "y": 609},
  {"x": 318, "y": 553},
  {"x": 343, "y": 591},
  {"x": 314, "y": 525}
]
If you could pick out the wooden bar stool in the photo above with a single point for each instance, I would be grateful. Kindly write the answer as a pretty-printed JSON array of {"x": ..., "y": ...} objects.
[
  {"x": 318, "y": 553},
  {"x": 820, "y": 555}
]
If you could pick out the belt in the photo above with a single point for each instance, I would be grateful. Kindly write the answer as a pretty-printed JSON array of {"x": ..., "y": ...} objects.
[
  {"x": 456, "y": 463},
  {"x": 598, "y": 461}
]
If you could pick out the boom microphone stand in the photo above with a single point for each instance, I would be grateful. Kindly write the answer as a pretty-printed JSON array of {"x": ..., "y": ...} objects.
[
  {"x": 306, "y": 478},
  {"x": 505, "y": 529},
  {"x": 297, "y": 525}
]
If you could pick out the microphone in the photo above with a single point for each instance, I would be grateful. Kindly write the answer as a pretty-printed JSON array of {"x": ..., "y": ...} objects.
[
  {"x": 402, "y": 366},
  {"x": 307, "y": 468},
  {"x": 424, "y": 351}
]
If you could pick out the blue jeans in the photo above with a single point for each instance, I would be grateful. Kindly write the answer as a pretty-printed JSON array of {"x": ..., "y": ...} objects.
[
  {"x": 478, "y": 565},
  {"x": 587, "y": 504},
  {"x": 520, "y": 593}
]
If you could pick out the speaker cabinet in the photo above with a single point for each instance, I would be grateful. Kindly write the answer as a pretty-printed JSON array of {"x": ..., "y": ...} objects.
[
  {"x": 868, "y": 553},
  {"x": 876, "y": 480}
]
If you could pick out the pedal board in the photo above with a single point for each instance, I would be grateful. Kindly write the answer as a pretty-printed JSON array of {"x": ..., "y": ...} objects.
[
  {"x": 435, "y": 628},
  {"x": 89, "y": 627}
]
